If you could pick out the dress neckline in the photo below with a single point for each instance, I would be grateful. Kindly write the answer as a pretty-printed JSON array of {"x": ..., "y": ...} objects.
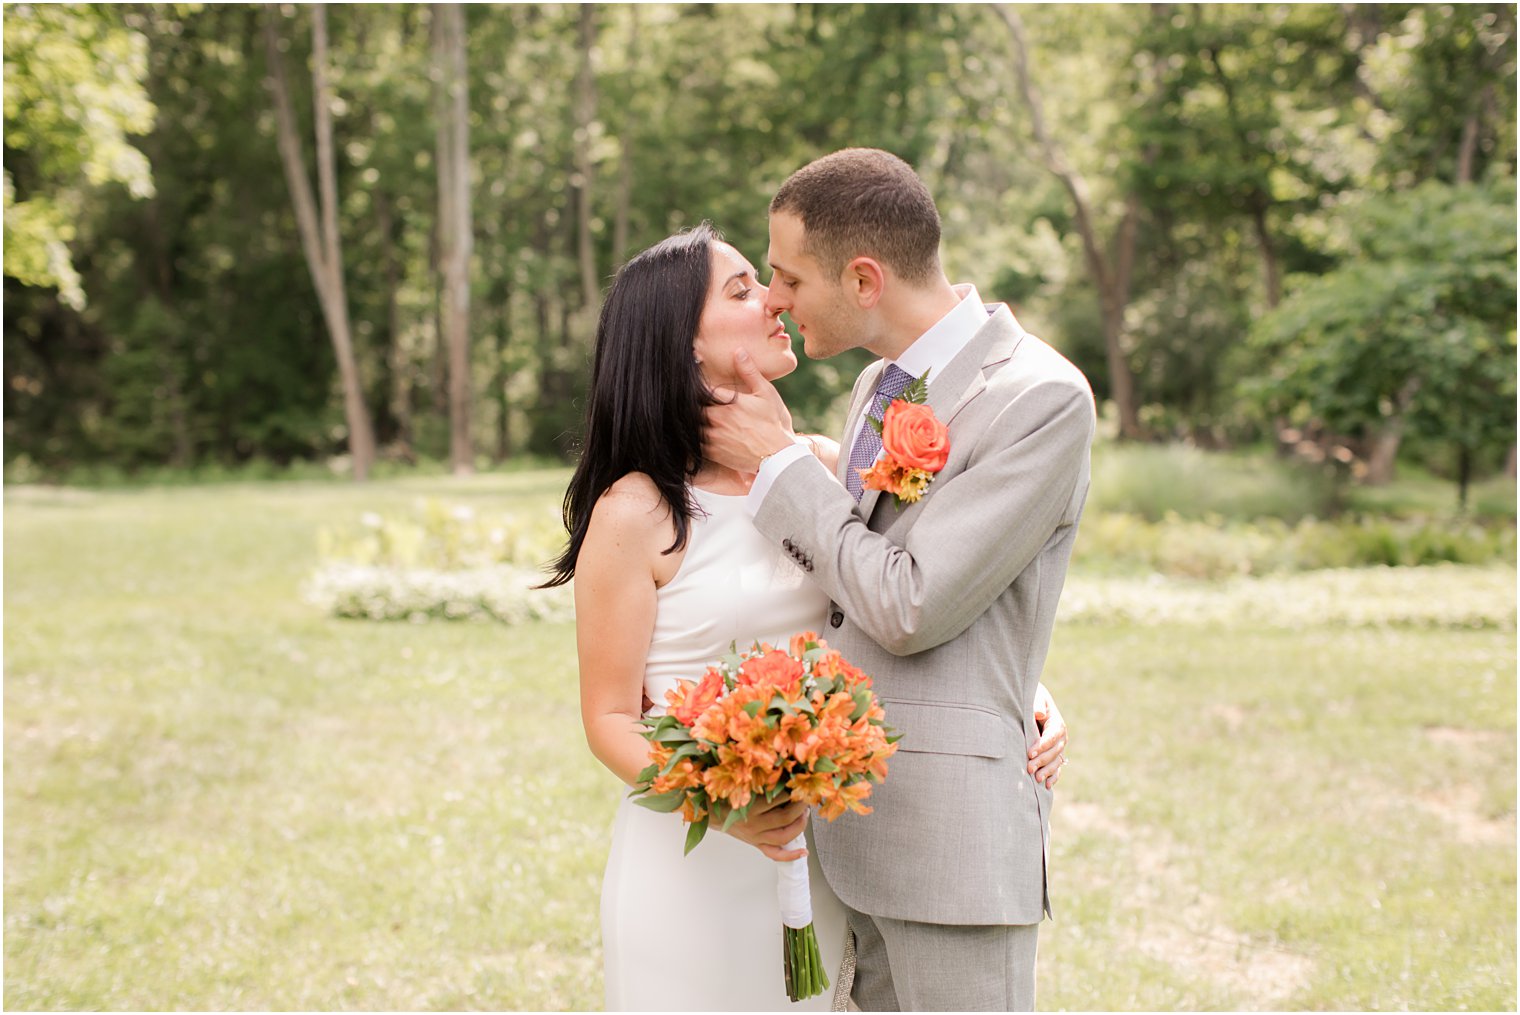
[{"x": 720, "y": 496}]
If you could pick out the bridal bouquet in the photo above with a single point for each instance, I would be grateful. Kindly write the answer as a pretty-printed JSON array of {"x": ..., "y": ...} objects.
[{"x": 768, "y": 725}]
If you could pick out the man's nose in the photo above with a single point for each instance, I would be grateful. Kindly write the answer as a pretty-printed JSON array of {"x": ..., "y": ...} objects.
[{"x": 773, "y": 301}]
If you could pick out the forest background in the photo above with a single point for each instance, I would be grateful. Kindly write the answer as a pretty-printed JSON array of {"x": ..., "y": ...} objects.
[
  {"x": 256, "y": 757},
  {"x": 238, "y": 234}
]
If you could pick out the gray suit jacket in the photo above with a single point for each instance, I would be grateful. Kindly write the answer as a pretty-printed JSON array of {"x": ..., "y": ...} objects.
[{"x": 949, "y": 605}]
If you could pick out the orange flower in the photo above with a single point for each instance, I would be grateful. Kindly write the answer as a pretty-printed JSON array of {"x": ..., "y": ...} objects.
[
  {"x": 811, "y": 787},
  {"x": 683, "y": 776},
  {"x": 775, "y": 671},
  {"x": 846, "y": 798},
  {"x": 690, "y": 700},
  {"x": 729, "y": 779},
  {"x": 914, "y": 437},
  {"x": 800, "y": 642}
]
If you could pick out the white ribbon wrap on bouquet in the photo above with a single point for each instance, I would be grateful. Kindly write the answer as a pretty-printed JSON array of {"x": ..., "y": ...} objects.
[{"x": 792, "y": 889}]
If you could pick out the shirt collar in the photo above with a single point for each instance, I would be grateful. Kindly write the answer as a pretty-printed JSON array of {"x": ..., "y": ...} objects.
[{"x": 934, "y": 349}]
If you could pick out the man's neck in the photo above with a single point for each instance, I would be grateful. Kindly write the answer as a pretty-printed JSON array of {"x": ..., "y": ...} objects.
[{"x": 911, "y": 313}]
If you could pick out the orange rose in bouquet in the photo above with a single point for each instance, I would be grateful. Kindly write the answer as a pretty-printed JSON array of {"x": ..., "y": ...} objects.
[{"x": 767, "y": 724}]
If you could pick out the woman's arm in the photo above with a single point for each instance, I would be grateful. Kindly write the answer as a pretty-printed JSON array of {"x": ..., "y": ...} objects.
[
  {"x": 826, "y": 449},
  {"x": 615, "y": 580}
]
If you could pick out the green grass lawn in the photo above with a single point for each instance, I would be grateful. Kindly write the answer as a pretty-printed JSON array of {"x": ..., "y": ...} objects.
[{"x": 217, "y": 798}]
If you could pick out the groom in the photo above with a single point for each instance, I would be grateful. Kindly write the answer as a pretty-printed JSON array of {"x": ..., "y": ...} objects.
[{"x": 948, "y": 602}]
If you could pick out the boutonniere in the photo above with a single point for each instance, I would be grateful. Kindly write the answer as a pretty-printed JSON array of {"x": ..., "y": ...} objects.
[{"x": 915, "y": 442}]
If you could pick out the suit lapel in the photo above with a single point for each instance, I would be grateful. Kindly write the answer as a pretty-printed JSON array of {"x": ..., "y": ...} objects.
[{"x": 966, "y": 376}]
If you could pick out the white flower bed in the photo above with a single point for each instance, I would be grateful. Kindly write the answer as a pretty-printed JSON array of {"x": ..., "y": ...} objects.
[{"x": 499, "y": 592}]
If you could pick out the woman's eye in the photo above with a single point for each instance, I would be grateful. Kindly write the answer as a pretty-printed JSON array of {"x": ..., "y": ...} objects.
[{"x": 743, "y": 294}]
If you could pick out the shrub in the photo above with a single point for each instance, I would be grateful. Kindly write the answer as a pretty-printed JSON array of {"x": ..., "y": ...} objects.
[
  {"x": 1157, "y": 481},
  {"x": 1216, "y": 548},
  {"x": 444, "y": 563}
]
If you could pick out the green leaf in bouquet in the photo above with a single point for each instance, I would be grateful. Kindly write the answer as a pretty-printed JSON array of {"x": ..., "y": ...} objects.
[
  {"x": 862, "y": 704},
  {"x": 676, "y": 734},
  {"x": 893, "y": 738},
  {"x": 687, "y": 750},
  {"x": 752, "y": 708},
  {"x": 734, "y": 816},
  {"x": 694, "y": 834},
  {"x": 825, "y": 765},
  {"x": 781, "y": 705},
  {"x": 658, "y": 725},
  {"x": 662, "y": 802},
  {"x": 647, "y": 773}
]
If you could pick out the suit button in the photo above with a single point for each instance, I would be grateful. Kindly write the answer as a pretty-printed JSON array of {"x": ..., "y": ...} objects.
[
  {"x": 786, "y": 544},
  {"x": 836, "y": 618}
]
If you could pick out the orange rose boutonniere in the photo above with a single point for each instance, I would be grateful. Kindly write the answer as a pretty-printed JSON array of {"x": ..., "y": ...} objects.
[{"x": 915, "y": 445}]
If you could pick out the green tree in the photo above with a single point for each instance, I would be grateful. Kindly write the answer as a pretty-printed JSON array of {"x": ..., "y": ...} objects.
[
  {"x": 1414, "y": 330},
  {"x": 73, "y": 95}
]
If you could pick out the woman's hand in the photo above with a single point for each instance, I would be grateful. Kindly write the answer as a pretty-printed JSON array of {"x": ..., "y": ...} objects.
[
  {"x": 825, "y": 449},
  {"x": 770, "y": 826},
  {"x": 1048, "y": 756}
]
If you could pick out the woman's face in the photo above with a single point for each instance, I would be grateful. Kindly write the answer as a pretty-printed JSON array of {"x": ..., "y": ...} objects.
[{"x": 735, "y": 317}]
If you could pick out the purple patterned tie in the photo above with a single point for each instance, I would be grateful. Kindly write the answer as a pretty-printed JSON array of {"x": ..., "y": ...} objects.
[{"x": 894, "y": 380}]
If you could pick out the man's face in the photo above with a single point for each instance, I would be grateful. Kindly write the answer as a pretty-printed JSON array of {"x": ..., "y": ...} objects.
[{"x": 800, "y": 287}]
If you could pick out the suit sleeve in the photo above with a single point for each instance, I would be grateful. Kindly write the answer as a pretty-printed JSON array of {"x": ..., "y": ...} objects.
[{"x": 977, "y": 530}]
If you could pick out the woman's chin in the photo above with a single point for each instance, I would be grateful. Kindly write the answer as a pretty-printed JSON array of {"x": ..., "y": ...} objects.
[{"x": 781, "y": 368}]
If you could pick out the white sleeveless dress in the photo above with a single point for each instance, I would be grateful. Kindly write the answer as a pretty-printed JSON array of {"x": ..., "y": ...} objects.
[{"x": 703, "y": 932}]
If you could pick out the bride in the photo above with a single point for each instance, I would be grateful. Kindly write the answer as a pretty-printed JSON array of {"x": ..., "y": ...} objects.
[{"x": 668, "y": 573}]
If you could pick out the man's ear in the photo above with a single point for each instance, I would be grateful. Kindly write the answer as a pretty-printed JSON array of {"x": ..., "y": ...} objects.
[{"x": 865, "y": 280}]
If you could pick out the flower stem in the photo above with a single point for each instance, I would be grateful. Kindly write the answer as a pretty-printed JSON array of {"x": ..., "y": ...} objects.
[{"x": 805, "y": 977}]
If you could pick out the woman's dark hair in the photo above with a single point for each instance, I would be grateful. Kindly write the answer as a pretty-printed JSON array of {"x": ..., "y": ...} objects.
[{"x": 644, "y": 409}]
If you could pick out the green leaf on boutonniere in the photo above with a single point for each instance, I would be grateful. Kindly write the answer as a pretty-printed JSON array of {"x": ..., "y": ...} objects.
[{"x": 917, "y": 390}]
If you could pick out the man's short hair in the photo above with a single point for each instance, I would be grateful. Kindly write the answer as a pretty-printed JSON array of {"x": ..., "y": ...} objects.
[{"x": 864, "y": 201}]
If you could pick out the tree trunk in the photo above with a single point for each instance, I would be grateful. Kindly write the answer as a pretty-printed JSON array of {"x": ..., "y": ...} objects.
[
  {"x": 1268, "y": 253},
  {"x": 585, "y": 119},
  {"x": 625, "y": 163},
  {"x": 398, "y": 369},
  {"x": 183, "y": 452},
  {"x": 1112, "y": 282},
  {"x": 319, "y": 239},
  {"x": 503, "y": 405},
  {"x": 1385, "y": 444},
  {"x": 1467, "y": 149},
  {"x": 451, "y": 91}
]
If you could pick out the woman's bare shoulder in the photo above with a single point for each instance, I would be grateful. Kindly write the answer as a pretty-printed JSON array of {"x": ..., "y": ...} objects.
[{"x": 632, "y": 505}]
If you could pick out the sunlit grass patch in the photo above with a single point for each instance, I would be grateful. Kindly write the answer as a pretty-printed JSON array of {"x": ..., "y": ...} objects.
[{"x": 218, "y": 798}]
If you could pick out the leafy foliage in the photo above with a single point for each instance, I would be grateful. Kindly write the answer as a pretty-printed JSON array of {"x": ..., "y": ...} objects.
[
  {"x": 158, "y": 310},
  {"x": 1418, "y": 319}
]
